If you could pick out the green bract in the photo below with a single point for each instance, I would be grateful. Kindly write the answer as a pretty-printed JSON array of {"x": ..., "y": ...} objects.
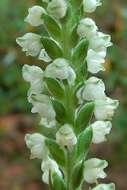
[{"x": 67, "y": 100}]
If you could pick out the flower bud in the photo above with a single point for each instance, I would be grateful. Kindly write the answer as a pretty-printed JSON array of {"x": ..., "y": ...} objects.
[
  {"x": 110, "y": 186},
  {"x": 65, "y": 136},
  {"x": 57, "y": 8},
  {"x": 93, "y": 89},
  {"x": 87, "y": 28},
  {"x": 35, "y": 142},
  {"x": 104, "y": 109},
  {"x": 100, "y": 41},
  {"x": 94, "y": 169},
  {"x": 48, "y": 166},
  {"x": 60, "y": 69},
  {"x": 100, "y": 130},
  {"x": 30, "y": 44},
  {"x": 35, "y": 16},
  {"x": 95, "y": 60},
  {"x": 90, "y": 6}
]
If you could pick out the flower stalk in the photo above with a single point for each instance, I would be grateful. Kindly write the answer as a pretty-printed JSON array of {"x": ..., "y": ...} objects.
[{"x": 70, "y": 99}]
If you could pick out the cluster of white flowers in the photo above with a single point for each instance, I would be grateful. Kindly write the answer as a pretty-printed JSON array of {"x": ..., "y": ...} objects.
[{"x": 62, "y": 73}]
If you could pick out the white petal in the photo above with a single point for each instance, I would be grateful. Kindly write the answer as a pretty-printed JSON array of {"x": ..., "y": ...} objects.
[
  {"x": 93, "y": 89},
  {"x": 100, "y": 130},
  {"x": 94, "y": 169},
  {"x": 87, "y": 28},
  {"x": 104, "y": 109},
  {"x": 35, "y": 15},
  {"x": 57, "y": 8},
  {"x": 110, "y": 186},
  {"x": 65, "y": 136},
  {"x": 95, "y": 61},
  {"x": 60, "y": 69},
  {"x": 30, "y": 44},
  {"x": 90, "y": 6}
]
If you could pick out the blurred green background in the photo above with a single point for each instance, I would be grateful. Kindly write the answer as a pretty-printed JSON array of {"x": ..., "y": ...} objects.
[{"x": 17, "y": 172}]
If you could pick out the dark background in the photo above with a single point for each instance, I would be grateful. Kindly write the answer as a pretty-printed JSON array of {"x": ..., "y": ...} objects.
[{"x": 17, "y": 172}]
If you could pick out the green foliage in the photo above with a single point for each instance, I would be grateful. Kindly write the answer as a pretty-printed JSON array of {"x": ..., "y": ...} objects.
[
  {"x": 60, "y": 110},
  {"x": 79, "y": 52},
  {"x": 83, "y": 116},
  {"x": 83, "y": 144},
  {"x": 55, "y": 87},
  {"x": 52, "y": 26},
  {"x": 54, "y": 50},
  {"x": 58, "y": 182},
  {"x": 77, "y": 175},
  {"x": 56, "y": 152},
  {"x": 13, "y": 89}
]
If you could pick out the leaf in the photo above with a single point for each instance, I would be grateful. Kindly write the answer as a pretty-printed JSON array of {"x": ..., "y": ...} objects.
[
  {"x": 60, "y": 110},
  {"x": 79, "y": 188},
  {"x": 84, "y": 116},
  {"x": 74, "y": 36},
  {"x": 52, "y": 48},
  {"x": 52, "y": 26},
  {"x": 54, "y": 87},
  {"x": 56, "y": 152},
  {"x": 58, "y": 182},
  {"x": 76, "y": 2},
  {"x": 81, "y": 72},
  {"x": 77, "y": 175},
  {"x": 79, "y": 52},
  {"x": 83, "y": 143},
  {"x": 48, "y": 132}
]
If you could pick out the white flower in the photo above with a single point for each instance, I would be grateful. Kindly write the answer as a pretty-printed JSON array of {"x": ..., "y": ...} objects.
[
  {"x": 110, "y": 186},
  {"x": 100, "y": 130},
  {"x": 93, "y": 89},
  {"x": 44, "y": 56},
  {"x": 36, "y": 143},
  {"x": 35, "y": 15},
  {"x": 104, "y": 109},
  {"x": 47, "y": 166},
  {"x": 30, "y": 44},
  {"x": 94, "y": 169},
  {"x": 60, "y": 69},
  {"x": 87, "y": 28},
  {"x": 49, "y": 124},
  {"x": 57, "y": 8},
  {"x": 34, "y": 75},
  {"x": 100, "y": 41},
  {"x": 95, "y": 60},
  {"x": 43, "y": 106},
  {"x": 90, "y": 6},
  {"x": 65, "y": 136}
]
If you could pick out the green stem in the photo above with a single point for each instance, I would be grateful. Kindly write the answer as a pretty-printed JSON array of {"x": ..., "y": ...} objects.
[
  {"x": 69, "y": 105},
  {"x": 69, "y": 171}
]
